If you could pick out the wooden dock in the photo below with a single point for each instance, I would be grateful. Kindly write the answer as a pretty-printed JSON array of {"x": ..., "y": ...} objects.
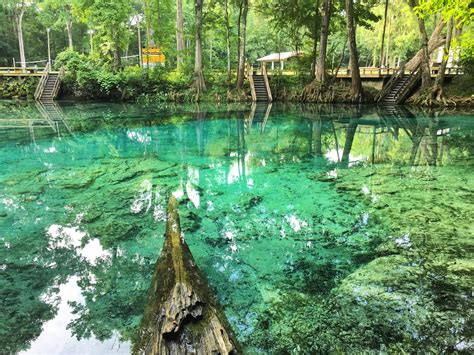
[
  {"x": 342, "y": 73},
  {"x": 367, "y": 72},
  {"x": 19, "y": 72}
]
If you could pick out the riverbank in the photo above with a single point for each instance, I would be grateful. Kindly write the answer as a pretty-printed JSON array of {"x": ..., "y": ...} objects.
[{"x": 157, "y": 85}]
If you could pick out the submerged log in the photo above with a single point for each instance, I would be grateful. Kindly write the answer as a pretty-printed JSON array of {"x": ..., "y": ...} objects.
[{"x": 182, "y": 316}]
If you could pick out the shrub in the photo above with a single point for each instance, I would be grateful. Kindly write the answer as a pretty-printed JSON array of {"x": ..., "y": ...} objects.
[
  {"x": 87, "y": 78},
  {"x": 18, "y": 87}
]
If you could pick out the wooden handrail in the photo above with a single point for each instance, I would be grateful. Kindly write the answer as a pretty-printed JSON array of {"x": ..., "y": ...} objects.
[
  {"x": 404, "y": 91},
  {"x": 390, "y": 84},
  {"x": 249, "y": 74},
  {"x": 267, "y": 84},
  {"x": 58, "y": 82},
  {"x": 42, "y": 82}
]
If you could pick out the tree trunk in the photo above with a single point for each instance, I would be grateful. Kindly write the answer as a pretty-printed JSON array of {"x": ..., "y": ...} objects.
[
  {"x": 334, "y": 73},
  {"x": 320, "y": 73},
  {"x": 227, "y": 41},
  {"x": 117, "y": 62},
  {"x": 425, "y": 59},
  {"x": 387, "y": 52},
  {"x": 356, "y": 90},
  {"x": 21, "y": 44},
  {"x": 244, "y": 7},
  {"x": 199, "y": 83},
  {"x": 314, "y": 54},
  {"x": 436, "y": 41},
  {"x": 441, "y": 74},
  {"x": 179, "y": 32},
  {"x": 69, "y": 33},
  {"x": 181, "y": 315},
  {"x": 383, "y": 33},
  {"x": 314, "y": 58}
]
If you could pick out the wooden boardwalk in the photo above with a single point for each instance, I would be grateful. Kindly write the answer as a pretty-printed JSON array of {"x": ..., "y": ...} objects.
[
  {"x": 343, "y": 73},
  {"x": 19, "y": 72},
  {"x": 367, "y": 72}
]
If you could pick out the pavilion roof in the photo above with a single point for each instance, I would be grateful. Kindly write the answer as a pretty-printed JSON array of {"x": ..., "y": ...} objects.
[{"x": 278, "y": 57}]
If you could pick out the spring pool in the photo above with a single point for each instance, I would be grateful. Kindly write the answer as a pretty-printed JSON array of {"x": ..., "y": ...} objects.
[{"x": 321, "y": 228}]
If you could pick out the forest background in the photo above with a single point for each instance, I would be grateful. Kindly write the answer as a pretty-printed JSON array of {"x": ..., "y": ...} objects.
[{"x": 207, "y": 43}]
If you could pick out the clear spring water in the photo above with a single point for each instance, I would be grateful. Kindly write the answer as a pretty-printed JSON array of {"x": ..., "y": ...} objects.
[{"x": 320, "y": 228}]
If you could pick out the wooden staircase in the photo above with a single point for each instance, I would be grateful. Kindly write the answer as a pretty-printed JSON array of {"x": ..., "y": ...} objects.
[
  {"x": 259, "y": 85},
  {"x": 260, "y": 89},
  {"x": 399, "y": 87},
  {"x": 49, "y": 84}
]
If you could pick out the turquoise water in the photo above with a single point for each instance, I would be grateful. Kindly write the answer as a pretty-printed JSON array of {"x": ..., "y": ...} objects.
[{"x": 320, "y": 228}]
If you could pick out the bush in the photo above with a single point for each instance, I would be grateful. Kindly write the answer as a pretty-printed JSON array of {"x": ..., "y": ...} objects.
[
  {"x": 18, "y": 87},
  {"x": 85, "y": 76},
  {"x": 88, "y": 78}
]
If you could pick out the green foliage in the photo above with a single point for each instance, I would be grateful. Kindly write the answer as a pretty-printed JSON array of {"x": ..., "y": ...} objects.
[
  {"x": 85, "y": 78},
  {"x": 462, "y": 11},
  {"x": 18, "y": 87},
  {"x": 70, "y": 60}
]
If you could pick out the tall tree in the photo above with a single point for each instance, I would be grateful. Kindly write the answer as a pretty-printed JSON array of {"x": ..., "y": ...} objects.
[
  {"x": 454, "y": 13},
  {"x": 356, "y": 89},
  {"x": 227, "y": 40},
  {"x": 243, "y": 11},
  {"x": 320, "y": 73},
  {"x": 109, "y": 18},
  {"x": 436, "y": 41},
  {"x": 425, "y": 61},
  {"x": 442, "y": 69},
  {"x": 69, "y": 26},
  {"x": 383, "y": 33},
  {"x": 18, "y": 8},
  {"x": 179, "y": 31},
  {"x": 60, "y": 15},
  {"x": 294, "y": 20},
  {"x": 199, "y": 83}
]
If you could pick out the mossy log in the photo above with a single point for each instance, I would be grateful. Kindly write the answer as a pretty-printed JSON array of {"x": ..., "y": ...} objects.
[{"x": 182, "y": 316}]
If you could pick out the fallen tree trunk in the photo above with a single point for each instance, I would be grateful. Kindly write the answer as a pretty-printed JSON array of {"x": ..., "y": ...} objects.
[
  {"x": 182, "y": 315},
  {"x": 436, "y": 41}
]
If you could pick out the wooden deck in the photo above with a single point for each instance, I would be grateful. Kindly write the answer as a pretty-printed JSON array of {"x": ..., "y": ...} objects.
[
  {"x": 343, "y": 73},
  {"x": 367, "y": 72},
  {"x": 19, "y": 72}
]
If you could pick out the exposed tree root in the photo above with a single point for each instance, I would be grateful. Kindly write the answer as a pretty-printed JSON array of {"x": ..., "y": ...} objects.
[
  {"x": 325, "y": 93},
  {"x": 237, "y": 95},
  {"x": 435, "y": 97}
]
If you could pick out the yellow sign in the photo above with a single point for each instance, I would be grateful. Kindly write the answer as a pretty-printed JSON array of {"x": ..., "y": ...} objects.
[{"x": 153, "y": 56}]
